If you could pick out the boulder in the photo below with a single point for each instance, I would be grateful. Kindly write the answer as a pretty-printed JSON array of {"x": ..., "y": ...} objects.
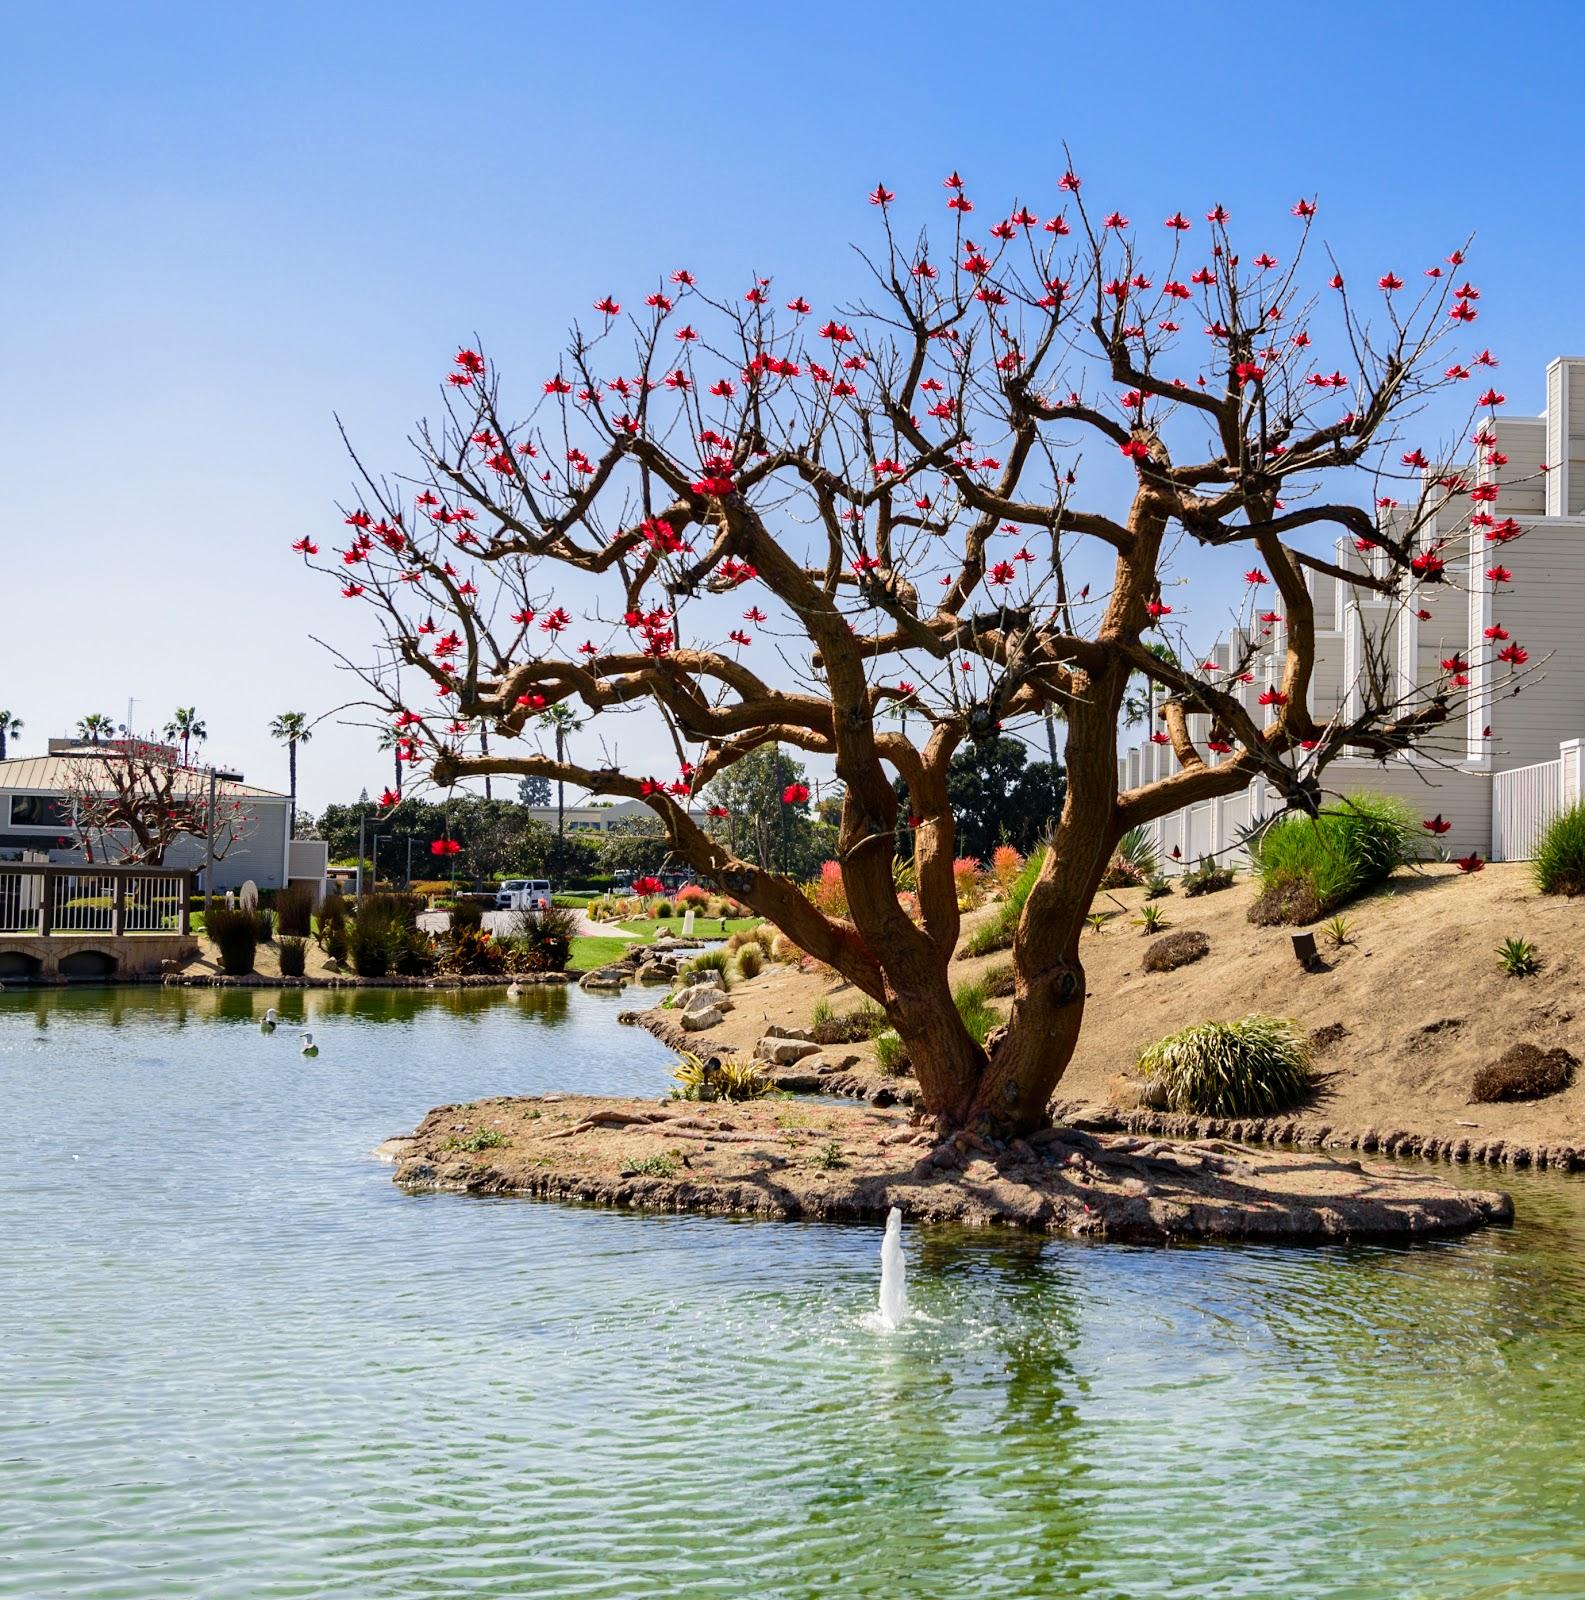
[
  {"x": 698, "y": 994},
  {"x": 653, "y": 972},
  {"x": 605, "y": 978},
  {"x": 777, "y": 1032},
  {"x": 702, "y": 1017},
  {"x": 780, "y": 1052}
]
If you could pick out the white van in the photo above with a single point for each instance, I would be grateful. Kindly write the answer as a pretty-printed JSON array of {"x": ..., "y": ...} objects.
[{"x": 523, "y": 894}]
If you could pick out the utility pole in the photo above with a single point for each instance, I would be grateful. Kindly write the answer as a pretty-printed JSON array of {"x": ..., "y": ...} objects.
[{"x": 209, "y": 836}]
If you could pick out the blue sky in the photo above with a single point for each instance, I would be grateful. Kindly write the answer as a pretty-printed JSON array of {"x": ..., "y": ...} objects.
[{"x": 226, "y": 224}]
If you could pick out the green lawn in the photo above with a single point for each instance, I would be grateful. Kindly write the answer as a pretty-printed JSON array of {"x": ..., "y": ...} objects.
[{"x": 594, "y": 952}]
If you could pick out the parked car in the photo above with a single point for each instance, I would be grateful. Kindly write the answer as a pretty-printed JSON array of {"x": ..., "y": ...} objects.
[{"x": 523, "y": 894}]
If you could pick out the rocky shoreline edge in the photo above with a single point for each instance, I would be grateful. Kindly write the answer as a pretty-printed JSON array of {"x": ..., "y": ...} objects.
[
  {"x": 782, "y": 1160},
  {"x": 832, "y": 1072}
]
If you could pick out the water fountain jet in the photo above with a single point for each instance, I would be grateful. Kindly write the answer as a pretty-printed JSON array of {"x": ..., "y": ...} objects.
[{"x": 894, "y": 1274}]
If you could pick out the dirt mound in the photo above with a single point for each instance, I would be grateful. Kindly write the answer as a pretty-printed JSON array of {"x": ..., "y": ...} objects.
[
  {"x": 1174, "y": 950},
  {"x": 1524, "y": 1072}
]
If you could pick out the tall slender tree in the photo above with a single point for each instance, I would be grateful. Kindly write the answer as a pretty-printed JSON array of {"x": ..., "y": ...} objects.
[
  {"x": 397, "y": 742},
  {"x": 563, "y": 723},
  {"x": 291, "y": 728},
  {"x": 188, "y": 727},
  {"x": 10, "y": 727}
]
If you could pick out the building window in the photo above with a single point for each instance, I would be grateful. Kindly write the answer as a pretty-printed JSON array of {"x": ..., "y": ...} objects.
[{"x": 40, "y": 811}]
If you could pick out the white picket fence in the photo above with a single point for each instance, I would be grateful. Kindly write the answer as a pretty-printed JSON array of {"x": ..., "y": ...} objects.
[{"x": 1525, "y": 799}]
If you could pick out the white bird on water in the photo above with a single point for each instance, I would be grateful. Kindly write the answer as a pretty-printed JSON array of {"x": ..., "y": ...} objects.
[
  {"x": 513, "y": 989},
  {"x": 270, "y": 1019},
  {"x": 309, "y": 1047}
]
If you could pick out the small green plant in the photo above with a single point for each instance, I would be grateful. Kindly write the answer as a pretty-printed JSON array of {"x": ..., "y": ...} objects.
[
  {"x": 828, "y": 1156},
  {"x": 293, "y": 953},
  {"x": 484, "y": 1139},
  {"x": 1136, "y": 849},
  {"x": 750, "y": 959},
  {"x": 1559, "y": 861},
  {"x": 1098, "y": 920},
  {"x": 1151, "y": 919},
  {"x": 1208, "y": 878},
  {"x": 1256, "y": 1066},
  {"x": 1518, "y": 958},
  {"x": 890, "y": 1055},
  {"x": 698, "y": 1079},
  {"x": 662, "y": 1166},
  {"x": 1157, "y": 887},
  {"x": 1339, "y": 931}
]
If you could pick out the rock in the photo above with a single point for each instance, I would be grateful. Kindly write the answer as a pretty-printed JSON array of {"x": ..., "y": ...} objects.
[
  {"x": 605, "y": 978},
  {"x": 702, "y": 1017},
  {"x": 803, "y": 1035},
  {"x": 782, "y": 1052},
  {"x": 796, "y": 1082},
  {"x": 697, "y": 994},
  {"x": 653, "y": 972}
]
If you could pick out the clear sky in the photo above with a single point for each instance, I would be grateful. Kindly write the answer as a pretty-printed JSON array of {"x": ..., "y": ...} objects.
[{"x": 225, "y": 224}]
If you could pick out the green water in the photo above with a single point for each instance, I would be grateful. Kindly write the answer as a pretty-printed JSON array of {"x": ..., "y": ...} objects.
[{"x": 236, "y": 1361}]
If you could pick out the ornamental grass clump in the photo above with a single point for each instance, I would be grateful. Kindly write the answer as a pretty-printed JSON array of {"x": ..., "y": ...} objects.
[
  {"x": 997, "y": 934},
  {"x": 1559, "y": 861},
  {"x": 1309, "y": 866},
  {"x": 1257, "y": 1066},
  {"x": 236, "y": 937},
  {"x": 733, "y": 1079}
]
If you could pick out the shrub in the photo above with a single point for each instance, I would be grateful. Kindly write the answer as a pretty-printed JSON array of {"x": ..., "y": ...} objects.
[
  {"x": 999, "y": 981},
  {"x": 783, "y": 949},
  {"x": 1256, "y": 1066},
  {"x": 1176, "y": 950},
  {"x": 997, "y": 934},
  {"x": 712, "y": 961},
  {"x": 698, "y": 1079},
  {"x": 293, "y": 953},
  {"x": 828, "y": 892},
  {"x": 694, "y": 895},
  {"x": 466, "y": 914},
  {"x": 966, "y": 880},
  {"x": 749, "y": 960},
  {"x": 236, "y": 936},
  {"x": 264, "y": 921},
  {"x": 847, "y": 1027},
  {"x": 467, "y": 952},
  {"x": 977, "y": 1015},
  {"x": 385, "y": 937},
  {"x": 1157, "y": 887},
  {"x": 890, "y": 1056},
  {"x": 1136, "y": 849},
  {"x": 294, "y": 911},
  {"x": 660, "y": 908},
  {"x": 1309, "y": 866},
  {"x": 333, "y": 927},
  {"x": 1524, "y": 1072},
  {"x": 546, "y": 939},
  {"x": 1208, "y": 877},
  {"x": 1006, "y": 863},
  {"x": 1559, "y": 863}
]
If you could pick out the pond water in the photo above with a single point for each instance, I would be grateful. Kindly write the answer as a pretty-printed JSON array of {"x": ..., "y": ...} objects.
[{"x": 237, "y": 1362}]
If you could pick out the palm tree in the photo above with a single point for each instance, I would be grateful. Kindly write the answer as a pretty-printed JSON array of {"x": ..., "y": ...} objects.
[
  {"x": 186, "y": 726},
  {"x": 391, "y": 739},
  {"x": 10, "y": 726},
  {"x": 94, "y": 726},
  {"x": 292, "y": 728},
  {"x": 484, "y": 750},
  {"x": 560, "y": 720}
]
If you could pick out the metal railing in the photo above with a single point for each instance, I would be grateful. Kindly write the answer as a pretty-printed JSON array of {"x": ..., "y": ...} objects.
[
  {"x": 114, "y": 902},
  {"x": 1523, "y": 801}
]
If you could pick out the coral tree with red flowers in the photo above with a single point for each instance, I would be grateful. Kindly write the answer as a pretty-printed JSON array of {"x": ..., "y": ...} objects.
[{"x": 879, "y": 531}]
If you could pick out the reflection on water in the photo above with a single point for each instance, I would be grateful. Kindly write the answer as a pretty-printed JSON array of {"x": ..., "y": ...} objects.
[{"x": 238, "y": 1362}]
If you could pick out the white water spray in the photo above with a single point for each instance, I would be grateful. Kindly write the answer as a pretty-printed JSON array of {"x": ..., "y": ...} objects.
[{"x": 894, "y": 1274}]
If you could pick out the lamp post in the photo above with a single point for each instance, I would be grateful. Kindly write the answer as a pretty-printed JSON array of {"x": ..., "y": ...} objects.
[{"x": 209, "y": 834}]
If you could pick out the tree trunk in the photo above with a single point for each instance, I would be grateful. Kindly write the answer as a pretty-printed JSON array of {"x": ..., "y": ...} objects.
[
  {"x": 484, "y": 750},
  {"x": 561, "y": 801},
  {"x": 291, "y": 770},
  {"x": 396, "y": 761}
]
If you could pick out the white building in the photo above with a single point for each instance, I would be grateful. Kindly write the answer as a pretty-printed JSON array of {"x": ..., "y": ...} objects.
[
  {"x": 1502, "y": 767},
  {"x": 36, "y": 820},
  {"x": 609, "y": 817}
]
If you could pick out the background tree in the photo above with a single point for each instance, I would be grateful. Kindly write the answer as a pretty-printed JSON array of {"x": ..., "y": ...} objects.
[
  {"x": 534, "y": 792},
  {"x": 562, "y": 723},
  {"x": 10, "y": 727},
  {"x": 132, "y": 803},
  {"x": 95, "y": 727},
  {"x": 291, "y": 728},
  {"x": 903, "y": 498},
  {"x": 394, "y": 740},
  {"x": 999, "y": 797},
  {"x": 187, "y": 727}
]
